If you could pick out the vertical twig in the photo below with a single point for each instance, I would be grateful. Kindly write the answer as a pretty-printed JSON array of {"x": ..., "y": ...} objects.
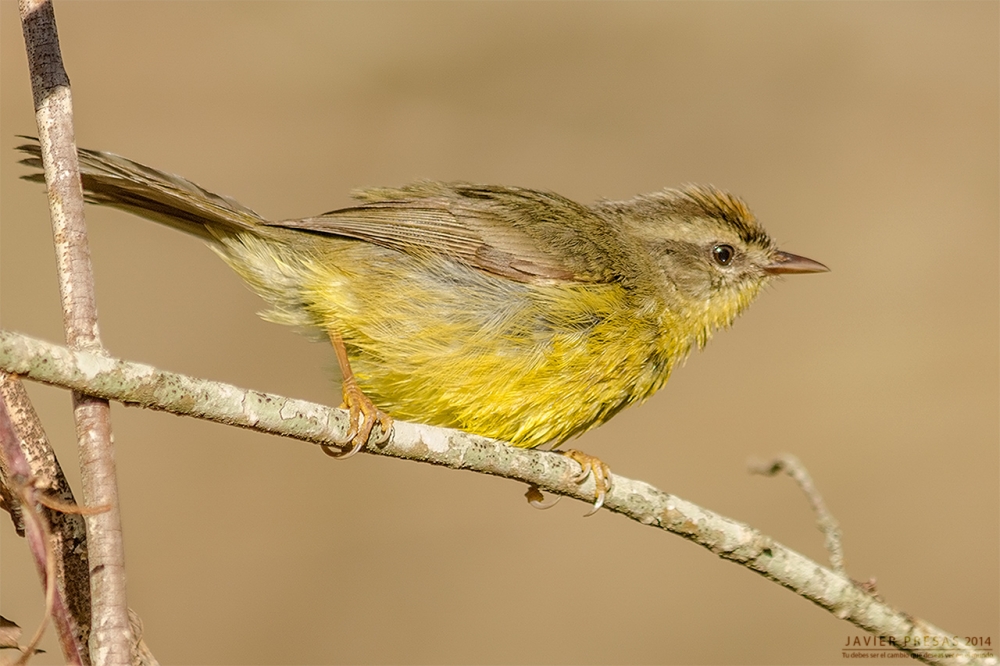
[{"x": 110, "y": 637}]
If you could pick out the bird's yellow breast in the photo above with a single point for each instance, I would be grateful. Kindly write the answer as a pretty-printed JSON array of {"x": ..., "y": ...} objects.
[{"x": 551, "y": 364}]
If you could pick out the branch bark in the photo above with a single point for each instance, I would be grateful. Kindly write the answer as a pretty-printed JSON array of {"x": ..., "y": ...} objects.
[
  {"x": 143, "y": 385},
  {"x": 110, "y": 635}
]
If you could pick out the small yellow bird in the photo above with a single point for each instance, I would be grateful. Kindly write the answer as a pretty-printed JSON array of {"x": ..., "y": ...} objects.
[{"x": 512, "y": 313}]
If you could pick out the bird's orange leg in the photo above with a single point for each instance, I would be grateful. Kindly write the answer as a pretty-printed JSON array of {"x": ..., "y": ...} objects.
[{"x": 363, "y": 412}]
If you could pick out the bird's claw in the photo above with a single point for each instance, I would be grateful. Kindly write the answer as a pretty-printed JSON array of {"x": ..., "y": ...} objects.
[{"x": 589, "y": 465}]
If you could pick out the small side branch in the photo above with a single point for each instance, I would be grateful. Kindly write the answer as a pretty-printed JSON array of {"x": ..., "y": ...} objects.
[
  {"x": 137, "y": 384},
  {"x": 825, "y": 520}
]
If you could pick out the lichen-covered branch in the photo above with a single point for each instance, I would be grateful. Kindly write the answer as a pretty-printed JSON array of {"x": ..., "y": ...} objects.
[{"x": 143, "y": 385}]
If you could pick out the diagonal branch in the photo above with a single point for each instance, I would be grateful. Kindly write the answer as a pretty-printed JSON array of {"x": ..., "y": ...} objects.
[
  {"x": 28, "y": 475},
  {"x": 143, "y": 385},
  {"x": 29, "y": 462}
]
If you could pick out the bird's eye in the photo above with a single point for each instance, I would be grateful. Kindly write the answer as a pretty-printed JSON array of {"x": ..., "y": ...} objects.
[{"x": 723, "y": 254}]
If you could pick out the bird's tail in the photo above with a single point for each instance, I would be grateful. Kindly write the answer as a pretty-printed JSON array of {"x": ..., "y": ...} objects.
[{"x": 112, "y": 180}]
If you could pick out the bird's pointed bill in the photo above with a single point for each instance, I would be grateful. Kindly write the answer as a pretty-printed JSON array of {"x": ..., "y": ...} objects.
[{"x": 786, "y": 262}]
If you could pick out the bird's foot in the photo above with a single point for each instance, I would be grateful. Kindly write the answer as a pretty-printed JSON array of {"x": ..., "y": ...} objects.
[
  {"x": 363, "y": 416},
  {"x": 589, "y": 465}
]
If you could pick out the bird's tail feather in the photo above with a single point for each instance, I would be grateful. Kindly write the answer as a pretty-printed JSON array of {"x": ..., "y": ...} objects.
[{"x": 112, "y": 180}]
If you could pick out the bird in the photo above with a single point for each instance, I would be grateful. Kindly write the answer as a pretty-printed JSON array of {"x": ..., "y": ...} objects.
[{"x": 507, "y": 312}]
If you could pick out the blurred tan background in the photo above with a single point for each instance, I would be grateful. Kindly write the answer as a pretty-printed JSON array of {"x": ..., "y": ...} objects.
[{"x": 864, "y": 135}]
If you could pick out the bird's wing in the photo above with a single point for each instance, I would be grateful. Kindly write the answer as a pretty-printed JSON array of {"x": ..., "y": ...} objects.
[{"x": 521, "y": 234}]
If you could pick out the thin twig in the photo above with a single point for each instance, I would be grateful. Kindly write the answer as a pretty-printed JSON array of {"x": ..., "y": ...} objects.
[
  {"x": 143, "y": 385},
  {"x": 40, "y": 545},
  {"x": 110, "y": 633},
  {"x": 826, "y": 522}
]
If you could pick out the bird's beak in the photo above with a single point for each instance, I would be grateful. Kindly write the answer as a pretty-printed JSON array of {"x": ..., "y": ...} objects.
[{"x": 785, "y": 262}]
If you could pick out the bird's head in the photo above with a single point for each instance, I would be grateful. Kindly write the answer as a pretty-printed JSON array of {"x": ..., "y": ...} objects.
[{"x": 712, "y": 254}]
